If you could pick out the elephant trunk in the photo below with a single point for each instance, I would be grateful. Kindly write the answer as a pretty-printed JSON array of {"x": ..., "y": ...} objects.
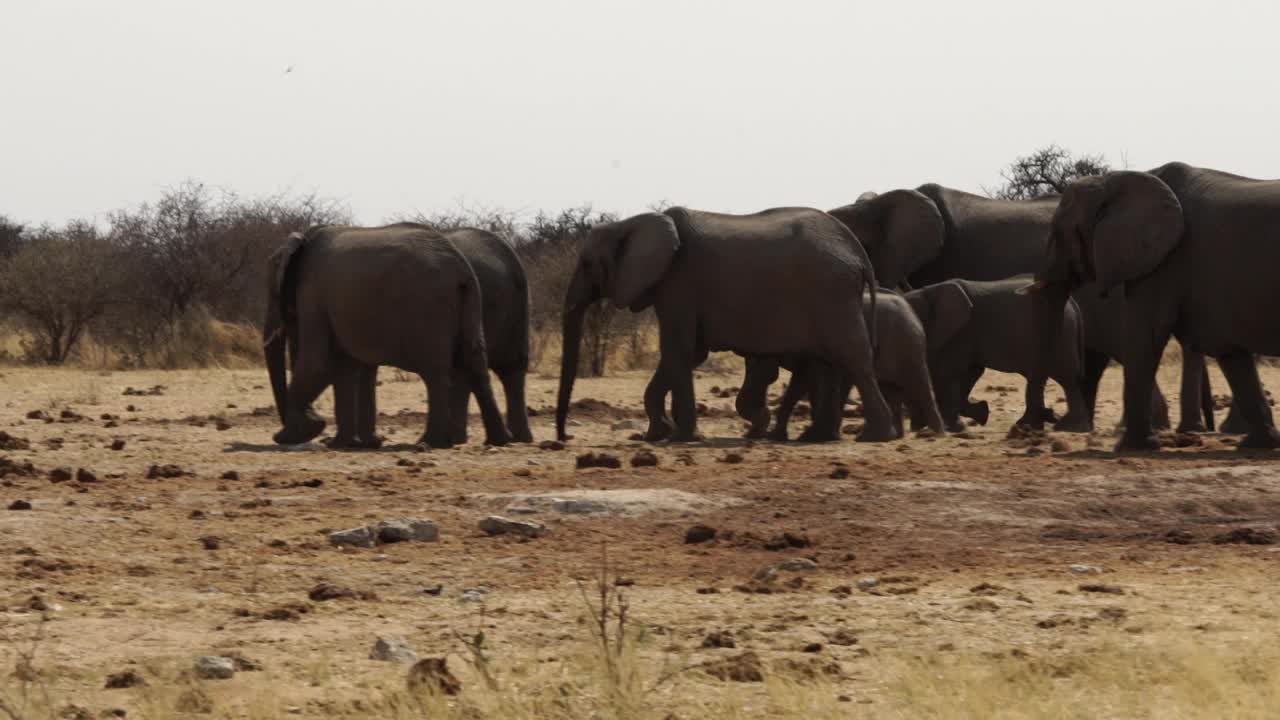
[
  {"x": 577, "y": 300},
  {"x": 274, "y": 340}
]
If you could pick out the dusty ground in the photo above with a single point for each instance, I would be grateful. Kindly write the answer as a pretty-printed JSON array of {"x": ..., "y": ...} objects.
[{"x": 972, "y": 541}]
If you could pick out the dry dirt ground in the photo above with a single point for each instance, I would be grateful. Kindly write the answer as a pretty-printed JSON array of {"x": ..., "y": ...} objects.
[{"x": 971, "y": 539}]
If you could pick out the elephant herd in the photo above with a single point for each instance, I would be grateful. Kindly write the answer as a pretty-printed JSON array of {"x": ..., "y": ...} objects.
[{"x": 909, "y": 295}]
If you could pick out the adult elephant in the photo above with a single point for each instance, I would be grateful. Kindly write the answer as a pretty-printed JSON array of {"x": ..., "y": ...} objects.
[
  {"x": 1193, "y": 251},
  {"x": 933, "y": 233},
  {"x": 504, "y": 289},
  {"x": 348, "y": 299},
  {"x": 779, "y": 282}
]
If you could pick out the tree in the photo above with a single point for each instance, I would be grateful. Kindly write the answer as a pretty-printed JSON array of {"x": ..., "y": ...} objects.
[
  {"x": 10, "y": 236},
  {"x": 57, "y": 283},
  {"x": 1045, "y": 172}
]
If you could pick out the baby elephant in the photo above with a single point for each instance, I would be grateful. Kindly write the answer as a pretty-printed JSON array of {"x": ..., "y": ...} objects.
[
  {"x": 973, "y": 326},
  {"x": 901, "y": 370}
]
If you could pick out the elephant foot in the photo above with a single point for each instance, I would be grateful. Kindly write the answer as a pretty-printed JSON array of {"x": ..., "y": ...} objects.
[
  {"x": 340, "y": 442},
  {"x": 1194, "y": 427},
  {"x": 1265, "y": 439},
  {"x": 779, "y": 434},
  {"x": 1130, "y": 442},
  {"x": 310, "y": 429},
  {"x": 954, "y": 425},
  {"x": 1034, "y": 421},
  {"x": 813, "y": 435},
  {"x": 437, "y": 441},
  {"x": 521, "y": 435},
  {"x": 1162, "y": 423},
  {"x": 1234, "y": 424},
  {"x": 658, "y": 430},
  {"x": 873, "y": 433},
  {"x": 497, "y": 439},
  {"x": 756, "y": 432},
  {"x": 980, "y": 412},
  {"x": 1073, "y": 424}
]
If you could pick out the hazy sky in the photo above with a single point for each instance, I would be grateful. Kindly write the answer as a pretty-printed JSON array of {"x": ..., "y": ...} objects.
[{"x": 732, "y": 106}]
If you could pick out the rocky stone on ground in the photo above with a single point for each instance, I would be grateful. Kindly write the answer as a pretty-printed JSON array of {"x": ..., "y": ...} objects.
[
  {"x": 215, "y": 667},
  {"x": 393, "y": 648},
  {"x": 356, "y": 537},
  {"x": 699, "y": 534},
  {"x": 498, "y": 525}
]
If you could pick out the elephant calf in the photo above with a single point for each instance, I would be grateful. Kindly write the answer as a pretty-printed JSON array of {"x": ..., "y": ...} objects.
[
  {"x": 973, "y": 326},
  {"x": 346, "y": 300},
  {"x": 901, "y": 365}
]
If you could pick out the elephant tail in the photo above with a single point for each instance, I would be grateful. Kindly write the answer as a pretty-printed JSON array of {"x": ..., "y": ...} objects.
[
  {"x": 277, "y": 334},
  {"x": 472, "y": 355}
]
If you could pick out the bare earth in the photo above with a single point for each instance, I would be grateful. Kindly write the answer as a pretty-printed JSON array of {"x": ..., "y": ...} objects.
[{"x": 113, "y": 575}]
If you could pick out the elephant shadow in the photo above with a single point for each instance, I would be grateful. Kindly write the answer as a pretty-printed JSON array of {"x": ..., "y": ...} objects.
[{"x": 1198, "y": 455}]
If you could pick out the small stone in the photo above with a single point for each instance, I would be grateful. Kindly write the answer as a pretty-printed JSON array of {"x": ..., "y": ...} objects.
[
  {"x": 1101, "y": 588},
  {"x": 433, "y": 590},
  {"x": 60, "y": 474},
  {"x": 1085, "y": 570},
  {"x": 812, "y": 648},
  {"x": 474, "y": 595},
  {"x": 117, "y": 445},
  {"x": 229, "y": 475},
  {"x": 867, "y": 583},
  {"x": 215, "y": 667},
  {"x": 85, "y": 476},
  {"x": 392, "y": 648},
  {"x": 797, "y": 564},
  {"x": 20, "y": 505},
  {"x": 498, "y": 525},
  {"x": 211, "y": 542},
  {"x": 578, "y": 507},
  {"x": 356, "y": 537},
  {"x": 699, "y": 534}
]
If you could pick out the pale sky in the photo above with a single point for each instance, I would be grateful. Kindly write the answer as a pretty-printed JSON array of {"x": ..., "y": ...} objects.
[{"x": 731, "y": 106}]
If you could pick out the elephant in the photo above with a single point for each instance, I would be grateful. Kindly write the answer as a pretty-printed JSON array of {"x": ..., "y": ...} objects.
[
  {"x": 1193, "y": 252},
  {"x": 933, "y": 233},
  {"x": 973, "y": 326},
  {"x": 901, "y": 365},
  {"x": 504, "y": 290},
  {"x": 345, "y": 300},
  {"x": 784, "y": 281}
]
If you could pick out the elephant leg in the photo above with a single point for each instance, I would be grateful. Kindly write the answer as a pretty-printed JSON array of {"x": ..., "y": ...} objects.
[
  {"x": 893, "y": 397},
  {"x": 827, "y": 398},
  {"x": 678, "y": 351},
  {"x": 495, "y": 430},
  {"x": 1206, "y": 398},
  {"x": 918, "y": 391},
  {"x": 1095, "y": 364},
  {"x": 797, "y": 388},
  {"x": 1194, "y": 372},
  {"x": 1140, "y": 365},
  {"x": 855, "y": 362},
  {"x": 752, "y": 402},
  {"x": 312, "y": 373},
  {"x": 367, "y": 408},
  {"x": 1078, "y": 417},
  {"x": 1234, "y": 423},
  {"x": 513, "y": 380},
  {"x": 978, "y": 411},
  {"x": 346, "y": 392},
  {"x": 1034, "y": 414},
  {"x": 459, "y": 408},
  {"x": 1247, "y": 395},
  {"x": 439, "y": 432},
  {"x": 1159, "y": 409},
  {"x": 655, "y": 401}
]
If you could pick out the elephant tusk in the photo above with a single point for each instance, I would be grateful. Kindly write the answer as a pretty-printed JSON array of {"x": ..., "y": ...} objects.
[{"x": 273, "y": 337}]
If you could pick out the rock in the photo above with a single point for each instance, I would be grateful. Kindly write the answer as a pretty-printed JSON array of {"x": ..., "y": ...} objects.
[
  {"x": 124, "y": 679},
  {"x": 644, "y": 458},
  {"x": 699, "y": 534},
  {"x": 867, "y": 583},
  {"x": 551, "y": 445},
  {"x": 117, "y": 445},
  {"x": 17, "y": 468},
  {"x": 578, "y": 507},
  {"x": 85, "y": 476},
  {"x": 797, "y": 564},
  {"x": 433, "y": 590},
  {"x": 60, "y": 474},
  {"x": 598, "y": 460},
  {"x": 10, "y": 442},
  {"x": 498, "y": 525},
  {"x": 215, "y": 667},
  {"x": 211, "y": 542},
  {"x": 356, "y": 537},
  {"x": 431, "y": 676},
  {"x": 1247, "y": 536},
  {"x": 812, "y": 648},
  {"x": 392, "y": 648},
  {"x": 739, "y": 668},
  {"x": 1085, "y": 570},
  {"x": 404, "y": 530},
  {"x": 521, "y": 510},
  {"x": 20, "y": 505},
  {"x": 38, "y": 415},
  {"x": 229, "y": 475},
  {"x": 625, "y": 425},
  {"x": 156, "y": 472},
  {"x": 474, "y": 595}
]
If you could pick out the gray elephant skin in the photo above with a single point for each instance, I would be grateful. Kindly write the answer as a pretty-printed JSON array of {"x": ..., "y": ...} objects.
[
  {"x": 504, "y": 288},
  {"x": 348, "y": 299},
  {"x": 933, "y": 233},
  {"x": 902, "y": 370},
  {"x": 975, "y": 326},
  {"x": 1193, "y": 252},
  {"x": 785, "y": 281}
]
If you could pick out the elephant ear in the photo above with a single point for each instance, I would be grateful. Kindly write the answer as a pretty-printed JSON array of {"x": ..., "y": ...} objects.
[
  {"x": 645, "y": 250},
  {"x": 913, "y": 232},
  {"x": 951, "y": 310},
  {"x": 1139, "y": 223},
  {"x": 282, "y": 259}
]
